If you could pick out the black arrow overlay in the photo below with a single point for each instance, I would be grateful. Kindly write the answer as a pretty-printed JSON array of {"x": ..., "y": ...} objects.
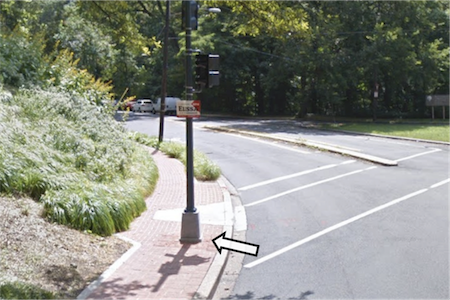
[{"x": 221, "y": 242}]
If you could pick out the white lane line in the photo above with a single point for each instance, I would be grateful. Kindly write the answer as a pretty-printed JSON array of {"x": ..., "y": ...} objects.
[
  {"x": 248, "y": 187},
  {"x": 332, "y": 228},
  {"x": 270, "y": 143},
  {"x": 419, "y": 154},
  {"x": 440, "y": 183},
  {"x": 306, "y": 186}
]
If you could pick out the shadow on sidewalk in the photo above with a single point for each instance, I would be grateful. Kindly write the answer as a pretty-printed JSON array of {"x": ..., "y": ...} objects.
[
  {"x": 173, "y": 267},
  {"x": 117, "y": 289},
  {"x": 251, "y": 296}
]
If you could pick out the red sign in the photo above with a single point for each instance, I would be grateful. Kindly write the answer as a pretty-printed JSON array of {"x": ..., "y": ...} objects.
[{"x": 188, "y": 109}]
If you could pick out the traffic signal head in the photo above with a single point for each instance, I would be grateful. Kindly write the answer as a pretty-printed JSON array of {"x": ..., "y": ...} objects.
[
  {"x": 189, "y": 15},
  {"x": 213, "y": 70},
  {"x": 207, "y": 70},
  {"x": 201, "y": 69}
]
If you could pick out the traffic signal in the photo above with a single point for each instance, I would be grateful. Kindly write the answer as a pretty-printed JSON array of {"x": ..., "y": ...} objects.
[
  {"x": 207, "y": 70},
  {"x": 189, "y": 15},
  {"x": 201, "y": 69},
  {"x": 213, "y": 70}
]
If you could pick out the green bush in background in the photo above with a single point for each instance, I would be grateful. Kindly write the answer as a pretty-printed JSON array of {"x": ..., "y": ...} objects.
[
  {"x": 204, "y": 168},
  {"x": 64, "y": 151}
]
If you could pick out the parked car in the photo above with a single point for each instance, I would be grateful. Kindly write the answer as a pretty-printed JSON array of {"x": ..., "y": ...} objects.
[
  {"x": 143, "y": 105},
  {"x": 170, "y": 103},
  {"x": 129, "y": 105}
]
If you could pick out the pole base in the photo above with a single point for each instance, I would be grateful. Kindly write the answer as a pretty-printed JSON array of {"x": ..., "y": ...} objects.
[{"x": 190, "y": 228}]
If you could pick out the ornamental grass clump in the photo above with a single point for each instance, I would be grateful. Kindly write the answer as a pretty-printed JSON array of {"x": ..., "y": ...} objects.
[
  {"x": 74, "y": 158},
  {"x": 204, "y": 168}
]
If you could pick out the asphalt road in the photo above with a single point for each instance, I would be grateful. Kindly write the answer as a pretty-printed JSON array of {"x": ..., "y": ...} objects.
[{"x": 331, "y": 226}]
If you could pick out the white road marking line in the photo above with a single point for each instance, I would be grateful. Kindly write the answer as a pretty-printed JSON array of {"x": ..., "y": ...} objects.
[
  {"x": 440, "y": 183},
  {"x": 306, "y": 186},
  {"x": 419, "y": 154},
  {"x": 334, "y": 145},
  {"x": 370, "y": 168},
  {"x": 270, "y": 143},
  {"x": 332, "y": 228},
  {"x": 248, "y": 187}
]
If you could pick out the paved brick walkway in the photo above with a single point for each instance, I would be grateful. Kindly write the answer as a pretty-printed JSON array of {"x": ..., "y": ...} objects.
[{"x": 162, "y": 268}]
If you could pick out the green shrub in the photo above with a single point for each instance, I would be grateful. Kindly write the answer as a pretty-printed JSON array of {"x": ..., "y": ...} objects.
[
  {"x": 204, "y": 168},
  {"x": 18, "y": 290},
  {"x": 67, "y": 76},
  {"x": 78, "y": 161},
  {"x": 144, "y": 139},
  {"x": 174, "y": 150}
]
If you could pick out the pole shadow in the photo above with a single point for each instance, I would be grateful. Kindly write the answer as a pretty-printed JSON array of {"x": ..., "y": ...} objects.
[{"x": 173, "y": 267}]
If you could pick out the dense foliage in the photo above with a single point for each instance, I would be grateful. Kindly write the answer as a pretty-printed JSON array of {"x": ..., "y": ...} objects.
[
  {"x": 68, "y": 154},
  {"x": 277, "y": 57}
]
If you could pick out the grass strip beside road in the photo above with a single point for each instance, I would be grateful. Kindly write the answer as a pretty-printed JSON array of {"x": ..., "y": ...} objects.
[
  {"x": 416, "y": 131},
  {"x": 204, "y": 168}
]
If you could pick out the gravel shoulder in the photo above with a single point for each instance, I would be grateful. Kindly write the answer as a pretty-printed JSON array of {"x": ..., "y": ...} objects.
[{"x": 50, "y": 256}]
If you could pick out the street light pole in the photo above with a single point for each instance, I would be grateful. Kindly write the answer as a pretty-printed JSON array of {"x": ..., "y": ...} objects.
[{"x": 190, "y": 223}]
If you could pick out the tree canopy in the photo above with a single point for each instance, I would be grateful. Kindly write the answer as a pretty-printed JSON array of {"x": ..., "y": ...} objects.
[{"x": 277, "y": 57}]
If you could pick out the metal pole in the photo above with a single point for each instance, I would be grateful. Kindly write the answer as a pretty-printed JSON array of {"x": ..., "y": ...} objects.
[
  {"x": 189, "y": 128},
  {"x": 190, "y": 223},
  {"x": 162, "y": 103}
]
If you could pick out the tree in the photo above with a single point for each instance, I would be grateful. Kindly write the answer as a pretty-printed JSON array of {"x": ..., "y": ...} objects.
[
  {"x": 277, "y": 57},
  {"x": 94, "y": 49}
]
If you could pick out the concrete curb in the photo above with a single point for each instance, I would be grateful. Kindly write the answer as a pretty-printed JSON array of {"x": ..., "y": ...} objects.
[
  {"x": 234, "y": 263},
  {"x": 215, "y": 271},
  {"x": 321, "y": 146}
]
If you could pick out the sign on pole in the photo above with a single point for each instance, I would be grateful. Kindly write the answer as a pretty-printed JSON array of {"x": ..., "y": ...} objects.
[
  {"x": 188, "y": 109},
  {"x": 438, "y": 100}
]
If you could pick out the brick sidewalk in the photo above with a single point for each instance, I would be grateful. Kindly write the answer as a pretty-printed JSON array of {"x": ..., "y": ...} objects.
[{"x": 161, "y": 267}]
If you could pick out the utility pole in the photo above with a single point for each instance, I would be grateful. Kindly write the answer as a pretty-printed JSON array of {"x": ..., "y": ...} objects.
[{"x": 162, "y": 108}]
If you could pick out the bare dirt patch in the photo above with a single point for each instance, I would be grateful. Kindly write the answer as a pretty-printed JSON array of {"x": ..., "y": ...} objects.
[{"x": 50, "y": 256}]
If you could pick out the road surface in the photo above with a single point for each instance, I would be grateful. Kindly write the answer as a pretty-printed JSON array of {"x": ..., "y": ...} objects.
[{"x": 331, "y": 226}]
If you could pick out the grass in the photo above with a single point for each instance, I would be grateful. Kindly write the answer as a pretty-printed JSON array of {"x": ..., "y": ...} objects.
[
  {"x": 204, "y": 168},
  {"x": 417, "y": 131},
  {"x": 75, "y": 159},
  {"x": 18, "y": 290},
  {"x": 339, "y": 119}
]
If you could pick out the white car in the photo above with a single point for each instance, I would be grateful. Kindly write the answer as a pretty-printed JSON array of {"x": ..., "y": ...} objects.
[
  {"x": 171, "y": 105},
  {"x": 143, "y": 105}
]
